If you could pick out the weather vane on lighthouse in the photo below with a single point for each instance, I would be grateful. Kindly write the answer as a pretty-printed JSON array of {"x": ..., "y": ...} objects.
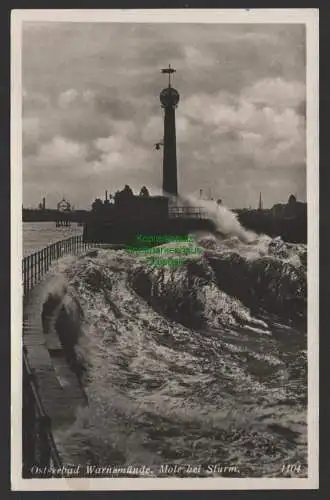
[
  {"x": 170, "y": 71},
  {"x": 169, "y": 98}
]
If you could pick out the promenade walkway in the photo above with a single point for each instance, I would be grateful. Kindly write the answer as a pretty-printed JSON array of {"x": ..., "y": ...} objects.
[
  {"x": 52, "y": 392},
  {"x": 58, "y": 387}
]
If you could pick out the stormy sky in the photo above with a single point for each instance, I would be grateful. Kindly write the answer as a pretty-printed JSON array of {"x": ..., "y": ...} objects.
[{"x": 91, "y": 110}]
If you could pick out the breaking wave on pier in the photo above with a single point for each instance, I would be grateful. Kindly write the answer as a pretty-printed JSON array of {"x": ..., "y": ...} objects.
[{"x": 204, "y": 363}]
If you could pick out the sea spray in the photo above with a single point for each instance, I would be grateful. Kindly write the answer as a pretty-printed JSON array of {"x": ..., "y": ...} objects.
[{"x": 225, "y": 220}]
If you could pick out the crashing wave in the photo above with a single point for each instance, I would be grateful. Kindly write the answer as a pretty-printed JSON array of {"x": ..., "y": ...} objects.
[{"x": 188, "y": 352}]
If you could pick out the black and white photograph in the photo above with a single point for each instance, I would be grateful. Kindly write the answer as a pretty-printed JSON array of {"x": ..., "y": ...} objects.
[{"x": 164, "y": 242}]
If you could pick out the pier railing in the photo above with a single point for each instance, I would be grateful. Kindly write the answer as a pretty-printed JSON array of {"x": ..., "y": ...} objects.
[
  {"x": 194, "y": 212},
  {"x": 39, "y": 449},
  {"x": 36, "y": 265}
]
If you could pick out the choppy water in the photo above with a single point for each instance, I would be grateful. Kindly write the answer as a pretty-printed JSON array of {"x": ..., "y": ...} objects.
[
  {"x": 37, "y": 235},
  {"x": 200, "y": 364}
]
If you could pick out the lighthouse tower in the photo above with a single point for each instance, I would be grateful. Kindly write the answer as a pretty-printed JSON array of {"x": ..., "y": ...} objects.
[{"x": 169, "y": 98}]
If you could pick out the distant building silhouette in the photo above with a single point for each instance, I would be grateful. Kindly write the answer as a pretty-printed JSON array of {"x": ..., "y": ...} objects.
[
  {"x": 144, "y": 192},
  {"x": 124, "y": 194},
  {"x": 290, "y": 209},
  {"x": 292, "y": 200},
  {"x": 97, "y": 205},
  {"x": 42, "y": 205},
  {"x": 64, "y": 206}
]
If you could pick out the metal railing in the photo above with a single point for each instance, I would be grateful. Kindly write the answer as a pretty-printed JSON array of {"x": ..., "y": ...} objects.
[
  {"x": 36, "y": 265},
  {"x": 39, "y": 449},
  {"x": 194, "y": 212}
]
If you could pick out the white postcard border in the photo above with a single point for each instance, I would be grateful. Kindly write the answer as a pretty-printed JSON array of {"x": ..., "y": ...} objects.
[{"x": 309, "y": 17}]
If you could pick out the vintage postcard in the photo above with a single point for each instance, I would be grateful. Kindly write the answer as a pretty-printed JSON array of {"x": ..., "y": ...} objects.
[{"x": 164, "y": 249}]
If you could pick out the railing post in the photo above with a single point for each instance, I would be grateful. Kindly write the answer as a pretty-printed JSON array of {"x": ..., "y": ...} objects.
[
  {"x": 44, "y": 431},
  {"x": 28, "y": 415},
  {"x": 38, "y": 265},
  {"x": 35, "y": 268},
  {"x": 23, "y": 276},
  {"x": 42, "y": 262},
  {"x": 32, "y": 270},
  {"x": 26, "y": 279},
  {"x": 29, "y": 271}
]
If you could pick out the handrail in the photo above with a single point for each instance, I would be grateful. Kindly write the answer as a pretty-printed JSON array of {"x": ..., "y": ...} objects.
[
  {"x": 196, "y": 212},
  {"x": 39, "y": 448},
  {"x": 38, "y": 263}
]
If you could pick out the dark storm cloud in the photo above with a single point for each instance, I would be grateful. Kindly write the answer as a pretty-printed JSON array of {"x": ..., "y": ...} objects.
[
  {"x": 116, "y": 105},
  {"x": 91, "y": 110}
]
